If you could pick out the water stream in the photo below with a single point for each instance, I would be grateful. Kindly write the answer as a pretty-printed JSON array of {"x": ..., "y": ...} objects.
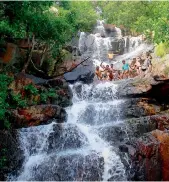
[{"x": 78, "y": 149}]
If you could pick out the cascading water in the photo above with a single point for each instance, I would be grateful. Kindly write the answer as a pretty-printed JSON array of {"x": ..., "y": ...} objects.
[
  {"x": 98, "y": 44},
  {"x": 76, "y": 150},
  {"x": 81, "y": 148}
]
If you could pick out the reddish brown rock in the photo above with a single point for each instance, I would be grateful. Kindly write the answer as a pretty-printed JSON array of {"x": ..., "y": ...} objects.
[
  {"x": 36, "y": 115},
  {"x": 162, "y": 121},
  {"x": 163, "y": 138},
  {"x": 9, "y": 54},
  {"x": 145, "y": 158},
  {"x": 148, "y": 108}
]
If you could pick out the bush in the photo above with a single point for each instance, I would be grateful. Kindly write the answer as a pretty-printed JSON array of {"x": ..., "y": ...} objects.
[
  {"x": 4, "y": 113},
  {"x": 161, "y": 49}
]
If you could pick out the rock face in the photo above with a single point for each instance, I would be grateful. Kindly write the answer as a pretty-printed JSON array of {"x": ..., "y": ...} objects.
[
  {"x": 36, "y": 115},
  {"x": 146, "y": 129},
  {"x": 11, "y": 156},
  {"x": 149, "y": 156},
  {"x": 66, "y": 138},
  {"x": 75, "y": 165},
  {"x": 163, "y": 139},
  {"x": 81, "y": 73}
]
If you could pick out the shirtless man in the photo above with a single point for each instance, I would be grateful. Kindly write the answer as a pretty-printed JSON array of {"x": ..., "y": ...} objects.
[
  {"x": 98, "y": 73},
  {"x": 138, "y": 65},
  {"x": 104, "y": 71}
]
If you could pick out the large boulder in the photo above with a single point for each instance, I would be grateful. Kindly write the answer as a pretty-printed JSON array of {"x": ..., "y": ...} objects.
[
  {"x": 81, "y": 73},
  {"x": 36, "y": 115},
  {"x": 64, "y": 138},
  {"x": 144, "y": 160}
]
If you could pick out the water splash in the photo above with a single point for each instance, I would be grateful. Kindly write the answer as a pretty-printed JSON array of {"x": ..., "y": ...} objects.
[{"x": 75, "y": 150}]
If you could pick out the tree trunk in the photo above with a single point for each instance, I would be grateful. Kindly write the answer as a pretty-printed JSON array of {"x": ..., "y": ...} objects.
[
  {"x": 43, "y": 55},
  {"x": 29, "y": 56}
]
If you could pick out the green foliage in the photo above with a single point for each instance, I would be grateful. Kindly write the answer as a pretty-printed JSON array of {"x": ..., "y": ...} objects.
[
  {"x": 161, "y": 49},
  {"x": 4, "y": 82},
  {"x": 140, "y": 16},
  {"x": 31, "y": 89},
  {"x": 18, "y": 101},
  {"x": 23, "y": 19},
  {"x": 84, "y": 15},
  {"x": 51, "y": 93}
]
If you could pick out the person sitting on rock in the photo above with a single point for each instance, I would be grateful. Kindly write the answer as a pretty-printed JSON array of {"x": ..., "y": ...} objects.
[
  {"x": 138, "y": 65},
  {"x": 110, "y": 75},
  {"x": 125, "y": 69},
  {"x": 98, "y": 73},
  {"x": 133, "y": 71},
  {"x": 117, "y": 75},
  {"x": 146, "y": 66},
  {"x": 104, "y": 71},
  {"x": 112, "y": 68}
]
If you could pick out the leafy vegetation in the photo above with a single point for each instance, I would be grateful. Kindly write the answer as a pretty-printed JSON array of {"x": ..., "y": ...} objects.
[
  {"x": 49, "y": 25},
  {"x": 148, "y": 17},
  {"x": 161, "y": 49},
  {"x": 14, "y": 100},
  {"x": 4, "y": 105}
]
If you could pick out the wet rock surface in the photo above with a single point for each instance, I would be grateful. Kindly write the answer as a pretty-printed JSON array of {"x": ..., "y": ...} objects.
[
  {"x": 11, "y": 156},
  {"x": 67, "y": 138},
  {"x": 146, "y": 129},
  {"x": 37, "y": 115},
  {"x": 81, "y": 73},
  {"x": 69, "y": 168}
]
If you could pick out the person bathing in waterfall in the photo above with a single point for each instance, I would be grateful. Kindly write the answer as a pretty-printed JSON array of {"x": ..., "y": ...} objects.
[{"x": 125, "y": 69}]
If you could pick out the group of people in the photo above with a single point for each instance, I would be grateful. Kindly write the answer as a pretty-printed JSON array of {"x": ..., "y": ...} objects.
[{"x": 140, "y": 65}]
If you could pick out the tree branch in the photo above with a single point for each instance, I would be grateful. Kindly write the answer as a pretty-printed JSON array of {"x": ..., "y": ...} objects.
[
  {"x": 70, "y": 70},
  {"x": 36, "y": 67},
  {"x": 30, "y": 55}
]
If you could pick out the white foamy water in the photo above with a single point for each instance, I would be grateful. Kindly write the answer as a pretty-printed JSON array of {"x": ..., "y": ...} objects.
[
  {"x": 77, "y": 150},
  {"x": 78, "y": 143}
]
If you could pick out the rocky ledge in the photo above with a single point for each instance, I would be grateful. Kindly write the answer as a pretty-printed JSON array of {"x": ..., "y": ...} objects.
[
  {"x": 37, "y": 115},
  {"x": 146, "y": 134}
]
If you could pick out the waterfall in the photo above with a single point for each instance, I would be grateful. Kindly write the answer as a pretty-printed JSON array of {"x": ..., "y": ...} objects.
[
  {"x": 81, "y": 149},
  {"x": 106, "y": 38},
  {"x": 77, "y": 149}
]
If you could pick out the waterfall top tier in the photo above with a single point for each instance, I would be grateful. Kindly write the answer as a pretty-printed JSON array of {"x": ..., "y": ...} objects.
[{"x": 107, "y": 30}]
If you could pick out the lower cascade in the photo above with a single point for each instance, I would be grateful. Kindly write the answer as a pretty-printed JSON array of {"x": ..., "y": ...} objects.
[{"x": 81, "y": 148}]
